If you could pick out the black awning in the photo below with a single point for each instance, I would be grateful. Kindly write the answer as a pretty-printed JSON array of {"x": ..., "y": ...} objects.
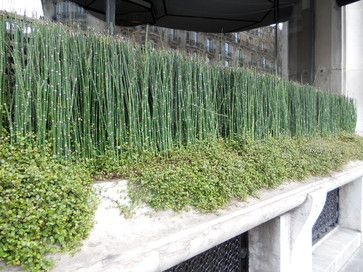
[
  {"x": 198, "y": 15},
  {"x": 345, "y": 2}
]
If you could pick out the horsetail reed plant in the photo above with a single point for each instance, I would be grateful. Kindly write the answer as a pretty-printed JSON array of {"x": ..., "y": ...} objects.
[
  {"x": 2, "y": 71},
  {"x": 90, "y": 94}
]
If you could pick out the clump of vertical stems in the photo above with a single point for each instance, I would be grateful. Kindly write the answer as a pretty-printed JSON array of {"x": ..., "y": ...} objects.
[{"x": 88, "y": 94}]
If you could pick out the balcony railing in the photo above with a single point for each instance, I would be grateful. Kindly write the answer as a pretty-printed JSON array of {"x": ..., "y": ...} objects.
[
  {"x": 174, "y": 41},
  {"x": 228, "y": 54},
  {"x": 211, "y": 50},
  {"x": 195, "y": 44}
]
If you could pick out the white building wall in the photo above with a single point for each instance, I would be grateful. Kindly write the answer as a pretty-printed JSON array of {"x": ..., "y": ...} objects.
[{"x": 354, "y": 57}]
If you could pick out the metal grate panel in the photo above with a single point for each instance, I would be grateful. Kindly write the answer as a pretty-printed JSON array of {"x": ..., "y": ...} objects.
[
  {"x": 328, "y": 218},
  {"x": 230, "y": 256}
]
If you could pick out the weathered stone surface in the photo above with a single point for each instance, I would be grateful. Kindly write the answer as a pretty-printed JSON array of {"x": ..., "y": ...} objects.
[{"x": 151, "y": 241}]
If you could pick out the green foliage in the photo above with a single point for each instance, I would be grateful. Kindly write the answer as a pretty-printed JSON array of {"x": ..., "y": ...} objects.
[
  {"x": 115, "y": 105},
  {"x": 2, "y": 71},
  {"x": 209, "y": 174},
  {"x": 46, "y": 206},
  {"x": 89, "y": 94}
]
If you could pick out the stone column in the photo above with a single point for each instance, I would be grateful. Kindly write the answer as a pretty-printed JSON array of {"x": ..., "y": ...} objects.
[
  {"x": 351, "y": 206},
  {"x": 284, "y": 244},
  {"x": 353, "y": 49},
  {"x": 49, "y": 9},
  {"x": 315, "y": 44},
  {"x": 110, "y": 15}
]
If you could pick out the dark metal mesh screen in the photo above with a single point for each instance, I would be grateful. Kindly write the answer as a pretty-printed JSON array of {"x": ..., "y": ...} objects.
[
  {"x": 231, "y": 256},
  {"x": 328, "y": 218}
]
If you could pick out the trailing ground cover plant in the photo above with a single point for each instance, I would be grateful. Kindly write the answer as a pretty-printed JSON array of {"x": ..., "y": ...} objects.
[
  {"x": 2, "y": 71},
  {"x": 90, "y": 94},
  {"x": 46, "y": 206},
  {"x": 208, "y": 175}
]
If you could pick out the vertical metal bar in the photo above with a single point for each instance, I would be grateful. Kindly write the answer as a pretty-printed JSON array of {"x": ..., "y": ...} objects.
[{"x": 110, "y": 15}]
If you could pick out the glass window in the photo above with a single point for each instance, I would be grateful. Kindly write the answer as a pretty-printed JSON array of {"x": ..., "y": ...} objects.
[
  {"x": 264, "y": 62},
  {"x": 194, "y": 36},
  {"x": 226, "y": 47},
  {"x": 209, "y": 45},
  {"x": 173, "y": 34},
  {"x": 239, "y": 55},
  {"x": 237, "y": 37}
]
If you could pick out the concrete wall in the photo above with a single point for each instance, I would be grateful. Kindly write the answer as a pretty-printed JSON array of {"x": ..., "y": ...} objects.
[
  {"x": 283, "y": 244},
  {"x": 300, "y": 39},
  {"x": 279, "y": 224},
  {"x": 315, "y": 47},
  {"x": 95, "y": 23},
  {"x": 48, "y": 8},
  {"x": 283, "y": 51},
  {"x": 328, "y": 46},
  {"x": 353, "y": 86}
]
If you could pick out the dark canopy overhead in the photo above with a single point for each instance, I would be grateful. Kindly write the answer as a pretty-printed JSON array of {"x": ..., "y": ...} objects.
[
  {"x": 198, "y": 15},
  {"x": 345, "y": 2}
]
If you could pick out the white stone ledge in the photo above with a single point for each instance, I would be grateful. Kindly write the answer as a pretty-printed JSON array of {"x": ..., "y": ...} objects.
[
  {"x": 155, "y": 241},
  {"x": 330, "y": 254}
]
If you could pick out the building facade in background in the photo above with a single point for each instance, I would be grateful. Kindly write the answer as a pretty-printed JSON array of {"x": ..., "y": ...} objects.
[{"x": 253, "y": 49}]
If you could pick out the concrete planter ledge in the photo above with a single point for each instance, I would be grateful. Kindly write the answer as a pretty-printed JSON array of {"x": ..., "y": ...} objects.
[{"x": 156, "y": 241}]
